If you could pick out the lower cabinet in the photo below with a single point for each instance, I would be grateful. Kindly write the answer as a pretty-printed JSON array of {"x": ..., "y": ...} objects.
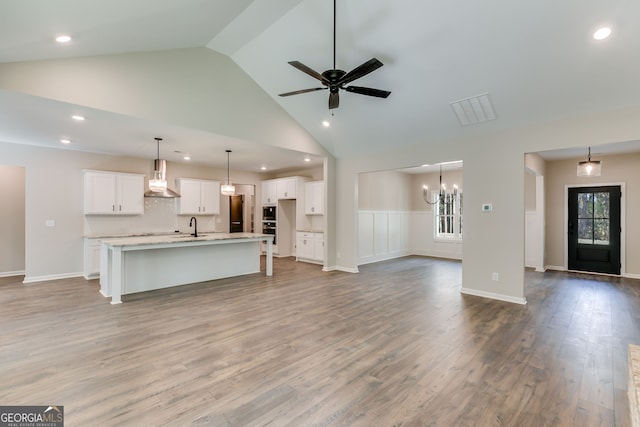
[
  {"x": 310, "y": 246},
  {"x": 91, "y": 258}
]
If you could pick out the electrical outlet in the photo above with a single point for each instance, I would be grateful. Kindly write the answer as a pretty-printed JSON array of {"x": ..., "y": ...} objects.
[
  {"x": 495, "y": 276},
  {"x": 50, "y": 223}
]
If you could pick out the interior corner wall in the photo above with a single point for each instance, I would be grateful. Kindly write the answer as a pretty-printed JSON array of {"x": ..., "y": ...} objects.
[
  {"x": 384, "y": 191},
  {"x": 12, "y": 220}
]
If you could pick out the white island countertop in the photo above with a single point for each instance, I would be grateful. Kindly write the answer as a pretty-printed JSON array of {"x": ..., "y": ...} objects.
[
  {"x": 144, "y": 263},
  {"x": 180, "y": 238}
]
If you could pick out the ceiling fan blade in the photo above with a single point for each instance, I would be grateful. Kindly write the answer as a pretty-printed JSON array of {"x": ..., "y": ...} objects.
[
  {"x": 316, "y": 75},
  {"x": 360, "y": 71},
  {"x": 297, "y": 92},
  {"x": 334, "y": 100},
  {"x": 368, "y": 91}
]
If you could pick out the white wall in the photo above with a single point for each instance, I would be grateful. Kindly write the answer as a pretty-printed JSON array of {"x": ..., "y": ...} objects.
[{"x": 12, "y": 220}]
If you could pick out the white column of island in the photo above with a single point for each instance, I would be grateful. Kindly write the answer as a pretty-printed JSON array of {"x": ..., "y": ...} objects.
[{"x": 144, "y": 263}]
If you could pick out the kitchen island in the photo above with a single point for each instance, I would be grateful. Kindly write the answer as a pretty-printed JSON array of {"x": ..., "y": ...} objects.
[{"x": 144, "y": 263}]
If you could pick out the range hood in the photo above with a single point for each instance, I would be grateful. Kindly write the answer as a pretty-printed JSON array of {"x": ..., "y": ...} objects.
[{"x": 160, "y": 170}]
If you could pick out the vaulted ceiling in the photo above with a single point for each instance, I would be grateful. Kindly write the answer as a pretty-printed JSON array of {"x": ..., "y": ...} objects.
[{"x": 536, "y": 60}]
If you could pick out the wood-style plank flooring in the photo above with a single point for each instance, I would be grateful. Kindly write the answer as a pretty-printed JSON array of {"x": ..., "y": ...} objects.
[{"x": 395, "y": 345}]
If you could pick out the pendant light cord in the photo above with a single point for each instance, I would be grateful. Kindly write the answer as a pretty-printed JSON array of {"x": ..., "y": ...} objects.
[{"x": 228, "y": 180}]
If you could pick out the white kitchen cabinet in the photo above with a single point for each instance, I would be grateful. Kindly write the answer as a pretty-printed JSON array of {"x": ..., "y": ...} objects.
[
  {"x": 198, "y": 197},
  {"x": 309, "y": 246},
  {"x": 91, "y": 258},
  {"x": 286, "y": 188},
  {"x": 111, "y": 193},
  {"x": 289, "y": 188},
  {"x": 269, "y": 194},
  {"x": 304, "y": 245},
  {"x": 314, "y": 198}
]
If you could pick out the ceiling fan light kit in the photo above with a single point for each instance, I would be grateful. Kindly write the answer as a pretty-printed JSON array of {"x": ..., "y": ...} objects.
[{"x": 336, "y": 79}]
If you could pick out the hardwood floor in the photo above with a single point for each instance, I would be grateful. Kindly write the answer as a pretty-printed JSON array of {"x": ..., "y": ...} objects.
[{"x": 395, "y": 345}]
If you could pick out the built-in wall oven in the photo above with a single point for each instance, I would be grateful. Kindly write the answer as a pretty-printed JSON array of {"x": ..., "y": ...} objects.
[
  {"x": 269, "y": 227},
  {"x": 268, "y": 213},
  {"x": 269, "y": 221}
]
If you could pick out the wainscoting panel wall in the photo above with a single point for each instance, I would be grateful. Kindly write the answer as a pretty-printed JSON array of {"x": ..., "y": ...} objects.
[
  {"x": 383, "y": 235},
  {"x": 391, "y": 234}
]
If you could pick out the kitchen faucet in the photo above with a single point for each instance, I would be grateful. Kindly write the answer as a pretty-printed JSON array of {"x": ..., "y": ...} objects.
[{"x": 194, "y": 221}]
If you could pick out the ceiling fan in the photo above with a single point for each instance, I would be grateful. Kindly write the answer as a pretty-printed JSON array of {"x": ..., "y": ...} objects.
[{"x": 335, "y": 79}]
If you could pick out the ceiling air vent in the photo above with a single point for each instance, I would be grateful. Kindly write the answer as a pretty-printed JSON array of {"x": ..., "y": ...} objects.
[{"x": 473, "y": 110}]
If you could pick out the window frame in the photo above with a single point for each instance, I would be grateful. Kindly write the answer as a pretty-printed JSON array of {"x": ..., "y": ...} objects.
[{"x": 456, "y": 218}]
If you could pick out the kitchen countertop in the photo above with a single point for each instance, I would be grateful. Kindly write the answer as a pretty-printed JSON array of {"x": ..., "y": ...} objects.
[
  {"x": 120, "y": 235},
  {"x": 310, "y": 231},
  {"x": 180, "y": 238}
]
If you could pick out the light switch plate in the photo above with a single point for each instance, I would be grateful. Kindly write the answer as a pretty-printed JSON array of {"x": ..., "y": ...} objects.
[{"x": 50, "y": 223}]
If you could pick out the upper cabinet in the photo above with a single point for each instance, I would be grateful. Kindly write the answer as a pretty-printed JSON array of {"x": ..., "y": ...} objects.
[
  {"x": 282, "y": 189},
  {"x": 198, "y": 197},
  {"x": 286, "y": 188},
  {"x": 111, "y": 193},
  {"x": 269, "y": 193},
  {"x": 314, "y": 198}
]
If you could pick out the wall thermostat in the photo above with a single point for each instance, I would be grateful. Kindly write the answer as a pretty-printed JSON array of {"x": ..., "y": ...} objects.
[{"x": 487, "y": 207}]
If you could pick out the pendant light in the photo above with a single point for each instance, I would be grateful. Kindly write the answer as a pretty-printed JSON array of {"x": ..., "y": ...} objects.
[
  {"x": 589, "y": 167},
  {"x": 158, "y": 184},
  {"x": 227, "y": 189}
]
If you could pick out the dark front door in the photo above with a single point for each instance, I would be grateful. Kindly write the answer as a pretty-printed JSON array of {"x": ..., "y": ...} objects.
[
  {"x": 594, "y": 229},
  {"x": 236, "y": 211}
]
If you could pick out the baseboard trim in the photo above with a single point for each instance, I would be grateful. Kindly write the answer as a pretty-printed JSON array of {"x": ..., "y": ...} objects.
[
  {"x": 11, "y": 273},
  {"x": 491, "y": 295},
  {"x": 384, "y": 257},
  {"x": 436, "y": 254},
  {"x": 554, "y": 268},
  {"x": 631, "y": 276},
  {"x": 339, "y": 268},
  {"x": 34, "y": 279}
]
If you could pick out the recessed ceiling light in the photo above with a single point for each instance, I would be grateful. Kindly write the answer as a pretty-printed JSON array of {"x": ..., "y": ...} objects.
[
  {"x": 63, "y": 39},
  {"x": 264, "y": 168},
  {"x": 78, "y": 118},
  {"x": 186, "y": 157},
  {"x": 65, "y": 141},
  {"x": 307, "y": 159},
  {"x": 326, "y": 123},
  {"x": 602, "y": 33}
]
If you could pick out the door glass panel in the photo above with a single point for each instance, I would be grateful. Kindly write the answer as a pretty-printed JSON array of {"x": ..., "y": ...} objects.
[
  {"x": 585, "y": 205},
  {"x": 585, "y": 230},
  {"x": 601, "y": 205},
  {"x": 601, "y": 231}
]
